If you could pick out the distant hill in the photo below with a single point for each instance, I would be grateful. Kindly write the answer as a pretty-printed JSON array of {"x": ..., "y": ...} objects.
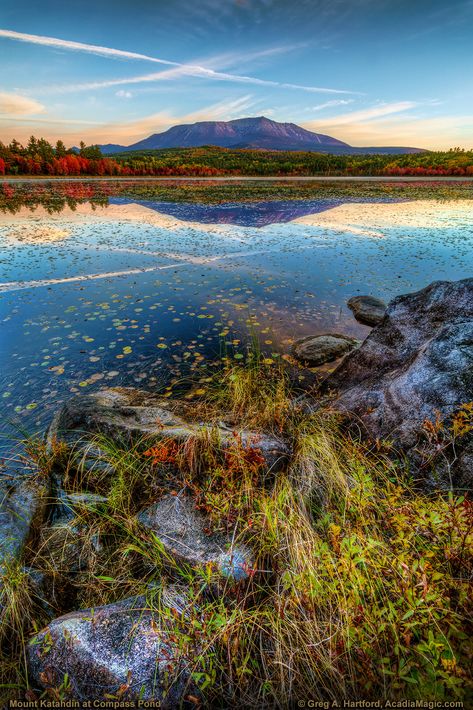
[{"x": 250, "y": 133}]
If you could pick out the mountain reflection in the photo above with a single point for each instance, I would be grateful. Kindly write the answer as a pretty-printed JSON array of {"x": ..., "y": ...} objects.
[{"x": 251, "y": 213}]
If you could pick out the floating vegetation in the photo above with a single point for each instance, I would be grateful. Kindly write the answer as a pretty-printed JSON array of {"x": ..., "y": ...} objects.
[{"x": 149, "y": 293}]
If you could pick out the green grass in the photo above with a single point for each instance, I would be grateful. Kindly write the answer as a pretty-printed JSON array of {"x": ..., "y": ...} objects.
[{"x": 362, "y": 584}]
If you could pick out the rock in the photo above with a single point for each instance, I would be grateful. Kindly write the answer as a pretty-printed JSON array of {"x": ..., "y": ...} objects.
[
  {"x": 22, "y": 507},
  {"x": 69, "y": 546},
  {"x": 91, "y": 459},
  {"x": 68, "y": 505},
  {"x": 183, "y": 531},
  {"x": 463, "y": 466},
  {"x": 417, "y": 362},
  {"x": 130, "y": 648},
  {"x": 41, "y": 591},
  {"x": 120, "y": 412},
  {"x": 124, "y": 413},
  {"x": 367, "y": 309},
  {"x": 316, "y": 350}
]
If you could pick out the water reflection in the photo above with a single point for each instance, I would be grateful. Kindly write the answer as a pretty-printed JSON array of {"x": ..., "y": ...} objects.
[
  {"x": 146, "y": 294},
  {"x": 243, "y": 214}
]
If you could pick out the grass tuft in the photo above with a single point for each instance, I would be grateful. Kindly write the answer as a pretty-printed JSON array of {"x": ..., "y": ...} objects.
[{"x": 362, "y": 582}]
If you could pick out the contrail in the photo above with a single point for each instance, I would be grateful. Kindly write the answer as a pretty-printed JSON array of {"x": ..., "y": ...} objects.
[
  {"x": 81, "y": 47},
  {"x": 186, "y": 260},
  {"x": 188, "y": 69}
]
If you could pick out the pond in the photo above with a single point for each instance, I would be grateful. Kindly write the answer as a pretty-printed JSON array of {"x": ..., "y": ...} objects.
[{"x": 142, "y": 293}]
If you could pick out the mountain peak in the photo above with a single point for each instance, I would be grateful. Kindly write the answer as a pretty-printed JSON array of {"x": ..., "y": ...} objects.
[{"x": 252, "y": 132}]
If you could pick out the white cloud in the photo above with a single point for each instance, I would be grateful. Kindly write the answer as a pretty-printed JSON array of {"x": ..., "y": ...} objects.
[
  {"x": 51, "y": 121},
  {"x": 132, "y": 131},
  {"x": 367, "y": 114},
  {"x": 122, "y": 94},
  {"x": 330, "y": 104},
  {"x": 181, "y": 69},
  {"x": 400, "y": 129},
  {"x": 197, "y": 72},
  {"x": 126, "y": 132},
  {"x": 439, "y": 133},
  {"x": 15, "y": 105}
]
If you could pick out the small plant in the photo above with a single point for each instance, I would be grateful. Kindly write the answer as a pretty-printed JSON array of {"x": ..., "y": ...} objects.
[{"x": 166, "y": 452}]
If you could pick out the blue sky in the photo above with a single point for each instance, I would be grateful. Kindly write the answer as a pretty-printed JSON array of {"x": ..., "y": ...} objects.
[{"x": 370, "y": 72}]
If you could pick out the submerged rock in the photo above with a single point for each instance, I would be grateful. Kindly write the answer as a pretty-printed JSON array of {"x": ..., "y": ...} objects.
[
  {"x": 367, "y": 309},
  {"x": 416, "y": 365},
  {"x": 131, "y": 648},
  {"x": 184, "y": 532},
  {"x": 124, "y": 413},
  {"x": 316, "y": 350}
]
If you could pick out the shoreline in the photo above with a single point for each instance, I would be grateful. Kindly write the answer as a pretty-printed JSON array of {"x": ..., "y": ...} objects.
[{"x": 241, "y": 178}]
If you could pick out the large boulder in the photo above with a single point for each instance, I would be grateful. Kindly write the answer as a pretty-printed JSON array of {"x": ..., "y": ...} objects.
[
  {"x": 185, "y": 535},
  {"x": 416, "y": 365},
  {"x": 129, "y": 650},
  {"x": 124, "y": 413},
  {"x": 315, "y": 350},
  {"x": 367, "y": 309}
]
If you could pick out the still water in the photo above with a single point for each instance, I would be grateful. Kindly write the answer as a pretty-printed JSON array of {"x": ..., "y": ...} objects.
[{"x": 147, "y": 293}]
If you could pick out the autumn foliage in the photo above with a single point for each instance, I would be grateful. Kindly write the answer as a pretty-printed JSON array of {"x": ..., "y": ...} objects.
[{"x": 39, "y": 157}]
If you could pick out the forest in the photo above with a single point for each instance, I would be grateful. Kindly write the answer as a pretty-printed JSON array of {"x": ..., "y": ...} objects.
[{"x": 40, "y": 157}]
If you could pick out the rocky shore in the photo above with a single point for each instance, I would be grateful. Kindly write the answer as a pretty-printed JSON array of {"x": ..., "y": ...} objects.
[{"x": 407, "y": 390}]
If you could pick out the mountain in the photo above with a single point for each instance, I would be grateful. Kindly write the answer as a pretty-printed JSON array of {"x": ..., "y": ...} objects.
[
  {"x": 251, "y": 133},
  {"x": 110, "y": 148}
]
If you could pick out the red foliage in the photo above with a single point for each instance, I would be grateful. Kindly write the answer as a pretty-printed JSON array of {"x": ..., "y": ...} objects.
[
  {"x": 239, "y": 457},
  {"x": 8, "y": 191},
  {"x": 163, "y": 453}
]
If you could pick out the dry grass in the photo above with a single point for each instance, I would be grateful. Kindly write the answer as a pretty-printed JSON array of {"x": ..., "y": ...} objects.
[{"x": 362, "y": 587}]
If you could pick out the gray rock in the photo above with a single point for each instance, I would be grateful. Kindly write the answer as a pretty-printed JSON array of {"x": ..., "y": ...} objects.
[
  {"x": 130, "y": 647},
  {"x": 69, "y": 546},
  {"x": 417, "y": 362},
  {"x": 91, "y": 459},
  {"x": 183, "y": 531},
  {"x": 124, "y": 413},
  {"x": 316, "y": 350},
  {"x": 22, "y": 507},
  {"x": 121, "y": 412},
  {"x": 68, "y": 505},
  {"x": 367, "y": 309},
  {"x": 41, "y": 591}
]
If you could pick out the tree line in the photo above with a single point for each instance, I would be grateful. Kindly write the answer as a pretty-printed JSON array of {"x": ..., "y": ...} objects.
[{"x": 39, "y": 157}]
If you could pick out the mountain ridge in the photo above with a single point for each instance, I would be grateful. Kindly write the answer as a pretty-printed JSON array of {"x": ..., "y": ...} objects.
[{"x": 246, "y": 133}]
